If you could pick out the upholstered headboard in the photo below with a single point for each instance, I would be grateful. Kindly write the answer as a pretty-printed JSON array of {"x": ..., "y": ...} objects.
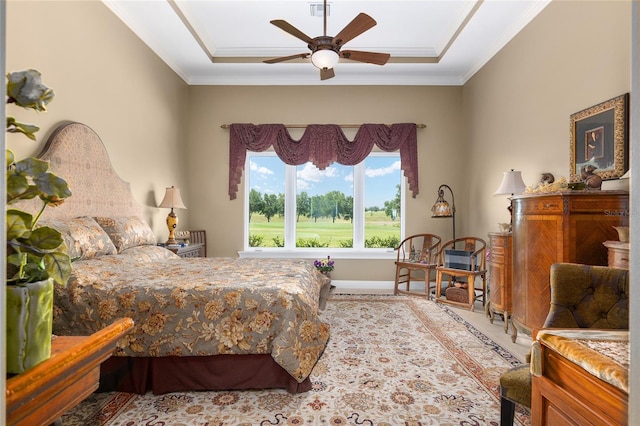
[{"x": 76, "y": 153}]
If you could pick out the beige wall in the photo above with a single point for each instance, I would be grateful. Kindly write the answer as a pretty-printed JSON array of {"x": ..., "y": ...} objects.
[
  {"x": 439, "y": 149},
  {"x": 517, "y": 107},
  {"x": 514, "y": 113},
  {"x": 106, "y": 78}
]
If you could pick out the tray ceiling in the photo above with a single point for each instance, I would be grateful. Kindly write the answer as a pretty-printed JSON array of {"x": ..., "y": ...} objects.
[{"x": 213, "y": 42}]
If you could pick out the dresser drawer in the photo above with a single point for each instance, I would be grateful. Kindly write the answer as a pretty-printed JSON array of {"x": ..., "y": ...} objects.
[{"x": 539, "y": 206}]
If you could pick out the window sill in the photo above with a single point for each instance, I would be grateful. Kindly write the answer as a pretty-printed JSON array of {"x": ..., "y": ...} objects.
[{"x": 371, "y": 254}]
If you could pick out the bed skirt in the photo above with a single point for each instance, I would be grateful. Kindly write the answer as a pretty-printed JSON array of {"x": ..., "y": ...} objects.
[{"x": 196, "y": 373}]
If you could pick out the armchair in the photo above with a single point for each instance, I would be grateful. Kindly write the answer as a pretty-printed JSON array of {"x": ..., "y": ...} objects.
[
  {"x": 582, "y": 296},
  {"x": 417, "y": 253},
  {"x": 462, "y": 266}
]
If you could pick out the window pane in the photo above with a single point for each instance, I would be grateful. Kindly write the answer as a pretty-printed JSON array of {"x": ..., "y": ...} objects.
[
  {"x": 324, "y": 206},
  {"x": 382, "y": 201},
  {"x": 266, "y": 201}
]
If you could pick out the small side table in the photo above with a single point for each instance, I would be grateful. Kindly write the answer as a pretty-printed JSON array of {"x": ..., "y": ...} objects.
[
  {"x": 618, "y": 254},
  {"x": 43, "y": 393},
  {"x": 189, "y": 250},
  {"x": 500, "y": 277}
]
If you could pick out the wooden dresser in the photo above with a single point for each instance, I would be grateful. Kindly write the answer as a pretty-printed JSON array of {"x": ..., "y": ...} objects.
[
  {"x": 500, "y": 267},
  {"x": 559, "y": 227}
]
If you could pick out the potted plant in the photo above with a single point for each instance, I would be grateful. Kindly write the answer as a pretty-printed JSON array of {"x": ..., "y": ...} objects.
[
  {"x": 36, "y": 256},
  {"x": 325, "y": 266}
]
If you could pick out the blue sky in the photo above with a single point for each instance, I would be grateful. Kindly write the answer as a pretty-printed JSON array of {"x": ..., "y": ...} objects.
[{"x": 382, "y": 174}]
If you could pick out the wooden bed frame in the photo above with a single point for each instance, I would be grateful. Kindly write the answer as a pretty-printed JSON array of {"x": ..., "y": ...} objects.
[{"x": 77, "y": 154}]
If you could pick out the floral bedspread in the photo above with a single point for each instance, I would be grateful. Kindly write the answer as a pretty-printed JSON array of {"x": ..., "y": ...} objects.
[{"x": 198, "y": 306}]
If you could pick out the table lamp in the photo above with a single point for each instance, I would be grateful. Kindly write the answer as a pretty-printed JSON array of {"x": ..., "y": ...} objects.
[
  {"x": 511, "y": 184},
  {"x": 172, "y": 200}
]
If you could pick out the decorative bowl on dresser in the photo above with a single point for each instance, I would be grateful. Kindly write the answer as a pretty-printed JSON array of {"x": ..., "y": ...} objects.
[{"x": 559, "y": 227}]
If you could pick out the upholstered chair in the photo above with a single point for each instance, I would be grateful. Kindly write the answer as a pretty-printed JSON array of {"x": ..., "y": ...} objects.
[{"x": 582, "y": 296}]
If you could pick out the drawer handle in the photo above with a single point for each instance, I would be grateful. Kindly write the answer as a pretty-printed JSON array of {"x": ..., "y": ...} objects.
[{"x": 624, "y": 258}]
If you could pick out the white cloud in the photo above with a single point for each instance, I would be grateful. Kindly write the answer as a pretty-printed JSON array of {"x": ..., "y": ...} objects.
[
  {"x": 349, "y": 177},
  {"x": 302, "y": 185},
  {"x": 262, "y": 170},
  {"x": 383, "y": 171},
  {"x": 310, "y": 173}
]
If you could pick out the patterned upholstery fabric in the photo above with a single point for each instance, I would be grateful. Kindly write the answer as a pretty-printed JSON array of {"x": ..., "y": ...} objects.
[
  {"x": 127, "y": 232},
  {"x": 585, "y": 296},
  {"x": 148, "y": 253},
  {"x": 515, "y": 385},
  {"x": 84, "y": 238}
]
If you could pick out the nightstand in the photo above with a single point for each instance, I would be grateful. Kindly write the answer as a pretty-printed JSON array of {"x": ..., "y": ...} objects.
[{"x": 190, "y": 250}]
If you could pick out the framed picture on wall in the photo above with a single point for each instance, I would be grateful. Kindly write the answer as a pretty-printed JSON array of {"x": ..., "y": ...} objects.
[{"x": 600, "y": 138}]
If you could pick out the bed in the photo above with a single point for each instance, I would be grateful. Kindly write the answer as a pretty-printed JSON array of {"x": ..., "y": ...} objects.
[{"x": 200, "y": 323}]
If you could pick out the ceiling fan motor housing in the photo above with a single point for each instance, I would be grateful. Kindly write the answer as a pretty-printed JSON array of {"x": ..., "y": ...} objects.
[{"x": 323, "y": 43}]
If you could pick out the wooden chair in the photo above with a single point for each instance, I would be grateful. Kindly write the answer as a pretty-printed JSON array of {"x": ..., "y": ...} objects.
[
  {"x": 416, "y": 253},
  {"x": 199, "y": 237},
  {"x": 462, "y": 261}
]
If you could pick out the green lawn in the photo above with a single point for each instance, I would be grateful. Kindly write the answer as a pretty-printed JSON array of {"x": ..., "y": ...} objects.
[{"x": 324, "y": 230}]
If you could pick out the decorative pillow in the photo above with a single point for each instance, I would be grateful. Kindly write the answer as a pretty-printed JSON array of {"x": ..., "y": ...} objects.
[
  {"x": 149, "y": 253},
  {"x": 127, "y": 231},
  {"x": 85, "y": 239}
]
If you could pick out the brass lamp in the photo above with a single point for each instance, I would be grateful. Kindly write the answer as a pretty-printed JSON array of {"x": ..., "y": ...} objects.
[
  {"x": 172, "y": 200},
  {"x": 441, "y": 208}
]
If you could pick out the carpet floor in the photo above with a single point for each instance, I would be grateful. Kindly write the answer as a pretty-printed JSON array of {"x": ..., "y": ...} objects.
[{"x": 391, "y": 360}]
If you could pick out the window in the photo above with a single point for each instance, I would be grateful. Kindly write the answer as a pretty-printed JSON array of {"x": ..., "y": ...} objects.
[{"x": 342, "y": 207}]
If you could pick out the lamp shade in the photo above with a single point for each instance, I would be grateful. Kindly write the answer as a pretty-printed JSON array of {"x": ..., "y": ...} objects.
[
  {"x": 325, "y": 58},
  {"x": 172, "y": 199},
  {"x": 511, "y": 184},
  {"x": 441, "y": 209}
]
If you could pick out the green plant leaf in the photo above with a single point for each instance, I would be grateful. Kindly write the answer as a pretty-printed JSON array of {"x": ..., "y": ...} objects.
[
  {"x": 9, "y": 157},
  {"x": 52, "y": 187},
  {"x": 28, "y": 130},
  {"x": 18, "y": 224},
  {"x": 18, "y": 188},
  {"x": 58, "y": 267},
  {"x": 25, "y": 88},
  {"x": 31, "y": 166},
  {"x": 45, "y": 239}
]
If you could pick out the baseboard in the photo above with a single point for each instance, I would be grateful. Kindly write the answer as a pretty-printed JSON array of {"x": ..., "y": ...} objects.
[{"x": 356, "y": 286}]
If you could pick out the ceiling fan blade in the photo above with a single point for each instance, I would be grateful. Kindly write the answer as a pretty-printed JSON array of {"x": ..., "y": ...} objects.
[
  {"x": 368, "y": 57},
  {"x": 327, "y": 73},
  {"x": 287, "y": 27},
  {"x": 360, "y": 24},
  {"x": 286, "y": 58}
]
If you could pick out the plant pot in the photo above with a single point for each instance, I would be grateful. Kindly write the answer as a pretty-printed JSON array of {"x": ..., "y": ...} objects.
[{"x": 28, "y": 324}]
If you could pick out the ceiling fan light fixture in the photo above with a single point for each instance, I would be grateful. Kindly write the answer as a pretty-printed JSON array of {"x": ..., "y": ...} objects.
[{"x": 325, "y": 58}]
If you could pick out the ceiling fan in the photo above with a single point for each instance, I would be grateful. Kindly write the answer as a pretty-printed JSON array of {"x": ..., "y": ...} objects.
[{"x": 326, "y": 50}]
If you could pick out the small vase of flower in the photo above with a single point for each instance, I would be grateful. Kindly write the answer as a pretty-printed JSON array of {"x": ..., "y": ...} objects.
[{"x": 325, "y": 266}]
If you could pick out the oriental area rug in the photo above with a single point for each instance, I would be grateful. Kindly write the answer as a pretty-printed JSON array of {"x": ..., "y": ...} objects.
[{"x": 391, "y": 360}]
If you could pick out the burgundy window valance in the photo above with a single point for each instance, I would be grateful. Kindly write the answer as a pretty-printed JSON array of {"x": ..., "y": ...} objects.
[{"x": 322, "y": 144}]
